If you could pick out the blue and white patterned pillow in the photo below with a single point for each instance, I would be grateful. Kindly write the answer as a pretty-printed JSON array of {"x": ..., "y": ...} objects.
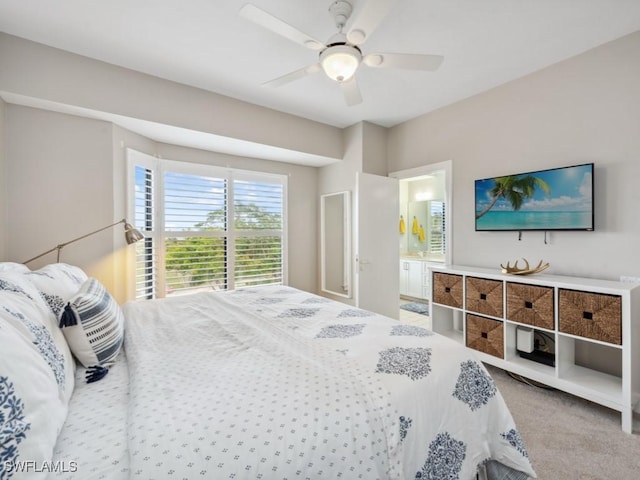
[
  {"x": 32, "y": 408},
  {"x": 22, "y": 307},
  {"x": 93, "y": 324}
]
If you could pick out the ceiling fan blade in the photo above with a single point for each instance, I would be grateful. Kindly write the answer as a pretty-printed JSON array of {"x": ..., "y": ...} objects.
[
  {"x": 295, "y": 75},
  {"x": 368, "y": 19},
  {"x": 351, "y": 92},
  {"x": 408, "y": 61},
  {"x": 268, "y": 21}
]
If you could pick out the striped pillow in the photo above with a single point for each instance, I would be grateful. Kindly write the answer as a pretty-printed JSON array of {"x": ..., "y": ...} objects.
[{"x": 93, "y": 325}]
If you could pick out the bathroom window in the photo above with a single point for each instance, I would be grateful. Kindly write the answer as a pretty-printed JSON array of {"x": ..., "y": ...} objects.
[{"x": 436, "y": 227}]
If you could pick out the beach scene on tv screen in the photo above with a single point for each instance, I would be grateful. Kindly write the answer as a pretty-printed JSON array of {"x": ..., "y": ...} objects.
[{"x": 557, "y": 199}]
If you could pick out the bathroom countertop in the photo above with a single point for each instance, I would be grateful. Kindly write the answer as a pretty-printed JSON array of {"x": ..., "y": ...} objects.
[{"x": 425, "y": 258}]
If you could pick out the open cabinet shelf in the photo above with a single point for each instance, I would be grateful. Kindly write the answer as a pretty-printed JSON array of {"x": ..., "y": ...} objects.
[{"x": 592, "y": 346}]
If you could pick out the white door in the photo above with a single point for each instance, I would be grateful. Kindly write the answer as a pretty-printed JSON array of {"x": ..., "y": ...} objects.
[{"x": 377, "y": 280}]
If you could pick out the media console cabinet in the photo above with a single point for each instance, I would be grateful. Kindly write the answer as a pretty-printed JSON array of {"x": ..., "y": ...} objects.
[{"x": 484, "y": 309}]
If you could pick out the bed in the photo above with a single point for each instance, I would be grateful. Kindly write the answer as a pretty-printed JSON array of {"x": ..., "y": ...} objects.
[{"x": 259, "y": 383}]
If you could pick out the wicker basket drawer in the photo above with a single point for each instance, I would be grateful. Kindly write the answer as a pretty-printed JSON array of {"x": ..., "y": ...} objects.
[
  {"x": 590, "y": 315},
  {"x": 484, "y": 296},
  {"x": 447, "y": 289},
  {"x": 485, "y": 335},
  {"x": 530, "y": 304}
]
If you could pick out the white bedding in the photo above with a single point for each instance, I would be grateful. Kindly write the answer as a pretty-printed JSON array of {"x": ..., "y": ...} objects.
[
  {"x": 275, "y": 383},
  {"x": 93, "y": 441}
]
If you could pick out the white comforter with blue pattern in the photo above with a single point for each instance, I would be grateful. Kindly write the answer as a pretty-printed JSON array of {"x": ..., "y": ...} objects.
[{"x": 276, "y": 383}]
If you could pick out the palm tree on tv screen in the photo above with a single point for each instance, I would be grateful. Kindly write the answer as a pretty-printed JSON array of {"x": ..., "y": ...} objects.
[{"x": 515, "y": 189}]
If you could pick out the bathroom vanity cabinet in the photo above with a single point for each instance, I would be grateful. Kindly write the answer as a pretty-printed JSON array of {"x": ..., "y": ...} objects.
[{"x": 415, "y": 278}]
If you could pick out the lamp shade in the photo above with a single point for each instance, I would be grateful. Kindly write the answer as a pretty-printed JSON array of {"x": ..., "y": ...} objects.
[
  {"x": 340, "y": 62},
  {"x": 132, "y": 234}
]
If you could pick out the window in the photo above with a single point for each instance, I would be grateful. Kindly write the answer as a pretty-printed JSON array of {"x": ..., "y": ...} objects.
[
  {"x": 206, "y": 228},
  {"x": 437, "y": 227}
]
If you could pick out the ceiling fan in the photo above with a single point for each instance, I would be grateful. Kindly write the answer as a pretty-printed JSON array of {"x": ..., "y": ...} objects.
[{"x": 341, "y": 56}]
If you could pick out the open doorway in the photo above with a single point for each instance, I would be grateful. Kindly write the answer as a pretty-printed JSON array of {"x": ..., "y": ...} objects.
[{"x": 424, "y": 235}]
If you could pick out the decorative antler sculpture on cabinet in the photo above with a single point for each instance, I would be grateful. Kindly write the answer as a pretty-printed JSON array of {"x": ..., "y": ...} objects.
[{"x": 524, "y": 271}]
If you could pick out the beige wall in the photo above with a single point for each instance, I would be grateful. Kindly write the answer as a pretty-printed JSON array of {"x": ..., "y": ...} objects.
[
  {"x": 60, "y": 171},
  {"x": 585, "y": 109},
  {"x": 365, "y": 150},
  {"x": 68, "y": 177},
  {"x": 3, "y": 190},
  {"x": 83, "y": 82},
  {"x": 374, "y": 149}
]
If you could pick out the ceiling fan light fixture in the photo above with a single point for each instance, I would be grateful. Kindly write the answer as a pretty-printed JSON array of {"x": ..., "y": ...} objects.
[{"x": 340, "y": 62}]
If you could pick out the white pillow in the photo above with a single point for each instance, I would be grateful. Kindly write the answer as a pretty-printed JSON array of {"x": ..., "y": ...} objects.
[
  {"x": 32, "y": 411},
  {"x": 57, "y": 283},
  {"x": 93, "y": 324},
  {"x": 22, "y": 307},
  {"x": 13, "y": 267}
]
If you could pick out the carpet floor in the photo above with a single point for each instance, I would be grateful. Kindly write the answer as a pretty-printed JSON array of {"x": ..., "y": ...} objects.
[{"x": 569, "y": 438}]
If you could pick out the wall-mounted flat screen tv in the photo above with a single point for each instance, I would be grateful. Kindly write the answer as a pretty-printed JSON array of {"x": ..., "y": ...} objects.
[{"x": 554, "y": 199}]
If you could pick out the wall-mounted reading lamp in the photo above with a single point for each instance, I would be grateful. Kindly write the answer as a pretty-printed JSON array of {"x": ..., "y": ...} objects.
[{"x": 131, "y": 234}]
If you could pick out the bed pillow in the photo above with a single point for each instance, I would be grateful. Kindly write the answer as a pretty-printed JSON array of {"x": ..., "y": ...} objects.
[
  {"x": 31, "y": 411},
  {"x": 57, "y": 283},
  {"x": 13, "y": 267},
  {"x": 22, "y": 307},
  {"x": 93, "y": 324}
]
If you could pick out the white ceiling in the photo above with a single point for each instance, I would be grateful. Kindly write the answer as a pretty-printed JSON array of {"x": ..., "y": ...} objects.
[{"x": 205, "y": 43}]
